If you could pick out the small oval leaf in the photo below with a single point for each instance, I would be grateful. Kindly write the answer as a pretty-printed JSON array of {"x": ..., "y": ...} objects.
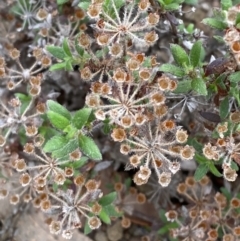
[
  {"x": 80, "y": 118},
  {"x": 89, "y": 148}
]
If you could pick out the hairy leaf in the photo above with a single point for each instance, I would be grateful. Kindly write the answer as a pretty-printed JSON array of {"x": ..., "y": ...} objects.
[
  {"x": 214, "y": 170},
  {"x": 55, "y": 143},
  {"x": 89, "y": 148},
  {"x": 59, "y": 109},
  {"x": 172, "y": 69},
  {"x": 195, "y": 53},
  {"x": 58, "y": 66},
  {"x": 179, "y": 55},
  {"x": 224, "y": 108},
  {"x": 226, "y": 4},
  {"x": 199, "y": 86},
  {"x": 57, "y": 120},
  {"x": 80, "y": 118},
  {"x": 235, "y": 77},
  {"x": 201, "y": 171},
  {"x": 214, "y": 23},
  {"x": 66, "y": 48},
  {"x": 104, "y": 217},
  {"x": 71, "y": 146},
  {"x": 57, "y": 52},
  {"x": 108, "y": 199}
]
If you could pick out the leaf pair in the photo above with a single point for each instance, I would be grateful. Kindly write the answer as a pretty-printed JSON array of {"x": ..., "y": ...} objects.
[
  {"x": 186, "y": 65},
  {"x": 62, "y": 145}
]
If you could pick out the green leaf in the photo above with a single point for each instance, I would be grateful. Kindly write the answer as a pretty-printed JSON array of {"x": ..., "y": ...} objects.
[
  {"x": 172, "y": 7},
  {"x": 179, "y": 55},
  {"x": 237, "y": 20},
  {"x": 89, "y": 148},
  {"x": 197, "y": 145},
  {"x": 55, "y": 143},
  {"x": 234, "y": 166},
  {"x": 165, "y": 229},
  {"x": 201, "y": 159},
  {"x": 235, "y": 93},
  {"x": 199, "y": 86},
  {"x": 108, "y": 199},
  {"x": 61, "y": 2},
  {"x": 190, "y": 28},
  {"x": 226, "y": 4},
  {"x": 214, "y": 23},
  {"x": 71, "y": 131},
  {"x": 87, "y": 229},
  {"x": 77, "y": 164},
  {"x": 226, "y": 193},
  {"x": 71, "y": 146},
  {"x": 57, "y": 52},
  {"x": 214, "y": 170},
  {"x": 59, "y": 109},
  {"x": 107, "y": 127},
  {"x": 66, "y": 48},
  {"x": 224, "y": 108},
  {"x": 172, "y": 69},
  {"x": 183, "y": 86},
  {"x": 161, "y": 2},
  {"x": 235, "y": 77},
  {"x": 80, "y": 118},
  {"x": 195, "y": 53},
  {"x": 68, "y": 65},
  {"x": 162, "y": 216},
  {"x": 84, "y": 5},
  {"x": 111, "y": 211},
  {"x": 79, "y": 49},
  {"x": 57, "y": 120},
  {"x": 191, "y": 2},
  {"x": 104, "y": 217},
  {"x": 25, "y": 101},
  {"x": 128, "y": 182},
  {"x": 220, "y": 39},
  {"x": 219, "y": 14},
  {"x": 109, "y": 9},
  {"x": 58, "y": 66},
  {"x": 201, "y": 171}
]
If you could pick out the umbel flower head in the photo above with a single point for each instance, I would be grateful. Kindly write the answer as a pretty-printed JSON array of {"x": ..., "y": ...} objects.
[
  {"x": 129, "y": 95},
  {"x": 155, "y": 145},
  {"x": 73, "y": 206},
  {"x": 132, "y": 25}
]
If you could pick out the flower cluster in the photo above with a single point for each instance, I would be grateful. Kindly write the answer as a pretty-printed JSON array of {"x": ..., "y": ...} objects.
[
  {"x": 29, "y": 75},
  {"x": 127, "y": 201},
  {"x": 232, "y": 36},
  {"x": 119, "y": 29},
  {"x": 226, "y": 147},
  {"x": 74, "y": 206},
  {"x": 154, "y": 150},
  {"x": 14, "y": 117},
  {"x": 210, "y": 217}
]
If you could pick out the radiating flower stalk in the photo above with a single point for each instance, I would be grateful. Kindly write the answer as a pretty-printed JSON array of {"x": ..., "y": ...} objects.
[
  {"x": 126, "y": 202},
  {"x": 210, "y": 216},
  {"x": 104, "y": 48}
]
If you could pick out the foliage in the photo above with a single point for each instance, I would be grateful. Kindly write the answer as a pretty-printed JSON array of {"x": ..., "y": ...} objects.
[{"x": 87, "y": 83}]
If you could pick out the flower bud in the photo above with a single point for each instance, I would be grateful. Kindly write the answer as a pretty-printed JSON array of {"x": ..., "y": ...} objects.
[
  {"x": 14, "y": 53},
  {"x": 94, "y": 10},
  {"x": 25, "y": 179},
  {"x": 181, "y": 136},
  {"x": 118, "y": 134},
  {"x": 164, "y": 179},
  {"x": 151, "y": 37},
  {"x": 94, "y": 222}
]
